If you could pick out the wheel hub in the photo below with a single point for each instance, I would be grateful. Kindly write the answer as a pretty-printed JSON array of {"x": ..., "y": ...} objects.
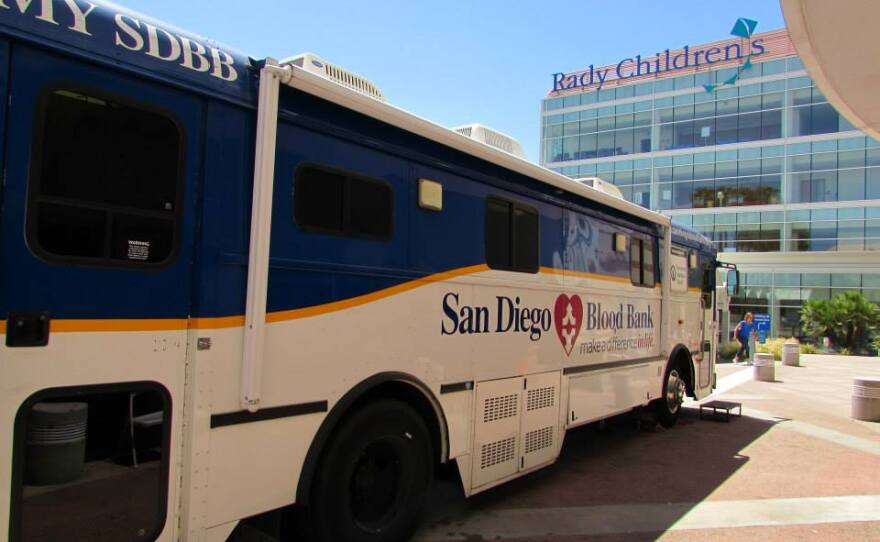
[
  {"x": 675, "y": 391},
  {"x": 375, "y": 484}
]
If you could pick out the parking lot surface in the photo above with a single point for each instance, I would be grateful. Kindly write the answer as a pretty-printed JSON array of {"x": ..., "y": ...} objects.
[{"x": 795, "y": 466}]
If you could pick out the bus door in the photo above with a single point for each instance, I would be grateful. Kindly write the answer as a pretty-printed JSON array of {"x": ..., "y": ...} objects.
[
  {"x": 97, "y": 247},
  {"x": 708, "y": 327}
]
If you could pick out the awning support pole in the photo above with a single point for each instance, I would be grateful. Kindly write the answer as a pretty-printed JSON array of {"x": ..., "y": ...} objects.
[{"x": 271, "y": 76}]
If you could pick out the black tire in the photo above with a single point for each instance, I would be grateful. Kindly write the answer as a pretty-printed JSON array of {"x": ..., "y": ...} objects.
[
  {"x": 668, "y": 406},
  {"x": 374, "y": 476}
]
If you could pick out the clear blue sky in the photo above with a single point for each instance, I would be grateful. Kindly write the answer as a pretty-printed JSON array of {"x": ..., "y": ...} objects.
[{"x": 458, "y": 62}]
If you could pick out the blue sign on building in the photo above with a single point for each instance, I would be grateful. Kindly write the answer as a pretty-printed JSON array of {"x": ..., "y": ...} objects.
[{"x": 762, "y": 326}]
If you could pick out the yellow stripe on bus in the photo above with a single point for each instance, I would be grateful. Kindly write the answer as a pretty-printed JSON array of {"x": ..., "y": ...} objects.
[
  {"x": 217, "y": 322},
  {"x": 118, "y": 324},
  {"x": 225, "y": 322},
  {"x": 357, "y": 301}
]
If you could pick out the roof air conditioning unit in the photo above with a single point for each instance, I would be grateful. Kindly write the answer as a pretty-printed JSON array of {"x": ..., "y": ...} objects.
[
  {"x": 314, "y": 64},
  {"x": 600, "y": 185},
  {"x": 491, "y": 137}
]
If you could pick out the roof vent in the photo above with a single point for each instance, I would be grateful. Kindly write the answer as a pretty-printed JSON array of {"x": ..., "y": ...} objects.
[
  {"x": 601, "y": 186},
  {"x": 314, "y": 64},
  {"x": 491, "y": 137}
]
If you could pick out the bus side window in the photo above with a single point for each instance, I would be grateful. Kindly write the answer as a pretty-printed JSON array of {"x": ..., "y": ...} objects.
[
  {"x": 340, "y": 203},
  {"x": 641, "y": 262},
  {"x": 512, "y": 238},
  {"x": 648, "y": 263},
  {"x": 635, "y": 261},
  {"x": 697, "y": 274},
  {"x": 106, "y": 182}
]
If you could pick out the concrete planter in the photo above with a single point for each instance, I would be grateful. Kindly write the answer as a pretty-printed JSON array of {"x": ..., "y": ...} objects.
[
  {"x": 866, "y": 398},
  {"x": 764, "y": 369},
  {"x": 791, "y": 354}
]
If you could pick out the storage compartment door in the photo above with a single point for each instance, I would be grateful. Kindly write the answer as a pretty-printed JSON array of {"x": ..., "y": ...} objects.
[
  {"x": 496, "y": 430},
  {"x": 540, "y": 421}
]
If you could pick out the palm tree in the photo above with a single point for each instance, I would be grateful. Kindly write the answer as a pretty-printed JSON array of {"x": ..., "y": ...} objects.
[
  {"x": 818, "y": 319},
  {"x": 847, "y": 320},
  {"x": 857, "y": 317}
]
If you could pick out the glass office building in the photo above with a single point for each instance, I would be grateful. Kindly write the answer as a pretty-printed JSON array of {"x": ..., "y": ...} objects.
[{"x": 744, "y": 149}]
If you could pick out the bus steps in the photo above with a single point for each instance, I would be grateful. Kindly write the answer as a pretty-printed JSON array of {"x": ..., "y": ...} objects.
[{"x": 720, "y": 410}]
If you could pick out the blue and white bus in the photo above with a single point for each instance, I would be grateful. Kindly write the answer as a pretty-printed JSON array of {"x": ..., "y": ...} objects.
[{"x": 231, "y": 285}]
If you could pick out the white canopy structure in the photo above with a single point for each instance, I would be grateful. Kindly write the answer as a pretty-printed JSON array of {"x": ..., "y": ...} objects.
[{"x": 837, "y": 44}]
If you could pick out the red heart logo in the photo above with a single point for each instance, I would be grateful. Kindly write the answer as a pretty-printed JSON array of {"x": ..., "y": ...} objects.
[{"x": 568, "y": 313}]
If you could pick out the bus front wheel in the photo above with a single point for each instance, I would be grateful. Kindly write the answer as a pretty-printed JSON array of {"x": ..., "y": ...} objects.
[
  {"x": 374, "y": 476},
  {"x": 668, "y": 406}
]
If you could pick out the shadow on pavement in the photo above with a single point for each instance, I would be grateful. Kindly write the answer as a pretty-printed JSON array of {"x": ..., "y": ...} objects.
[{"x": 618, "y": 465}]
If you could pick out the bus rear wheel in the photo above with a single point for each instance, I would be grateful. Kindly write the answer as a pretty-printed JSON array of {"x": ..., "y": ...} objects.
[
  {"x": 668, "y": 406},
  {"x": 374, "y": 476}
]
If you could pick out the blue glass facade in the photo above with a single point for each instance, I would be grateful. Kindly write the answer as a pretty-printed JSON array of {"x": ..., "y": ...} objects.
[{"x": 766, "y": 166}]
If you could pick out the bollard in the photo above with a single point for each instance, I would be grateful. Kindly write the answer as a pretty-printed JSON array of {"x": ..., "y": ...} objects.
[
  {"x": 753, "y": 347},
  {"x": 764, "y": 369},
  {"x": 791, "y": 353},
  {"x": 866, "y": 398}
]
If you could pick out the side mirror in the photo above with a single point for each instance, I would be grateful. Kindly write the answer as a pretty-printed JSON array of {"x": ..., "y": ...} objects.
[{"x": 732, "y": 282}]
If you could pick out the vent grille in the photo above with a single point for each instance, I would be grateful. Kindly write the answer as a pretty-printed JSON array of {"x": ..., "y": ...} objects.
[
  {"x": 541, "y": 398},
  {"x": 500, "y": 451},
  {"x": 352, "y": 81},
  {"x": 499, "y": 141},
  {"x": 539, "y": 439},
  {"x": 601, "y": 186},
  {"x": 491, "y": 137},
  {"x": 497, "y": 408},
  {"x": 314, "y": 64}
]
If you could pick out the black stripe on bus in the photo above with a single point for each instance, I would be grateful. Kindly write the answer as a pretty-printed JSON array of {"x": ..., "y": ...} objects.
[
  {"x": 457, "y": 386},
  {"x": 271, "y": 413},
  {"x": 609, "y": 365}
]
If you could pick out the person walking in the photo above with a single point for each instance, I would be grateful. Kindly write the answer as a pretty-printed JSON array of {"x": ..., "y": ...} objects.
[{"x": 744, "y": 330}]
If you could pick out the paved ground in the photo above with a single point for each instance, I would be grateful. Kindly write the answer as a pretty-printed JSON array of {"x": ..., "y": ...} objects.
[{"x": 793, "y": 467}]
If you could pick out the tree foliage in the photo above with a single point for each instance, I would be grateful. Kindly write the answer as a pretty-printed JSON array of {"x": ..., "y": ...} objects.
[{"x": 849, "y": 319}]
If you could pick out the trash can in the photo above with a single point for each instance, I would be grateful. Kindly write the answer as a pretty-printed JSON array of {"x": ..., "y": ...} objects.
[
  {"x": 791, "y": 354},
  {"x": 55, "y": 443},
  {"x": 866, "y": 398},
  {"x": 764, "y": 369}
]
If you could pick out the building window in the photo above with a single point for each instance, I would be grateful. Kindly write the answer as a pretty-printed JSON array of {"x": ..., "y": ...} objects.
[
  {"x": 641, "y": 262},
  {"x": 336, "y": 202},
  {"x": 512, "y": 239},
  {"x": 814, "y": 119},
  {"x": 121, "y": 207}
]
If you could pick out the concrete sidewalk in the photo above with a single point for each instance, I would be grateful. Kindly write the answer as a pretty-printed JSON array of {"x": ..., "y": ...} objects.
[{"x": 795, "y": 466}]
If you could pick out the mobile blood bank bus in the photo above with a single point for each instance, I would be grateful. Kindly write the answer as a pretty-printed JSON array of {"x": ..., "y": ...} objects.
[{"x": 232, "y": 285}]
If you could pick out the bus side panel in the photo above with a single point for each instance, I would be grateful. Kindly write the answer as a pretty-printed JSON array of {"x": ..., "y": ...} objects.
[
  {"x": 305, "y": 364},
  {"x": 226, "y": 212},
  {"x": 619, "y": 320},
  {"x": 4, "y": 88},
  {"x": 219, "y": 299},
  {"x": 685, "y": 315},
  {"x": 116, "y": 331},
  {"x": 518, "y": 336}
]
